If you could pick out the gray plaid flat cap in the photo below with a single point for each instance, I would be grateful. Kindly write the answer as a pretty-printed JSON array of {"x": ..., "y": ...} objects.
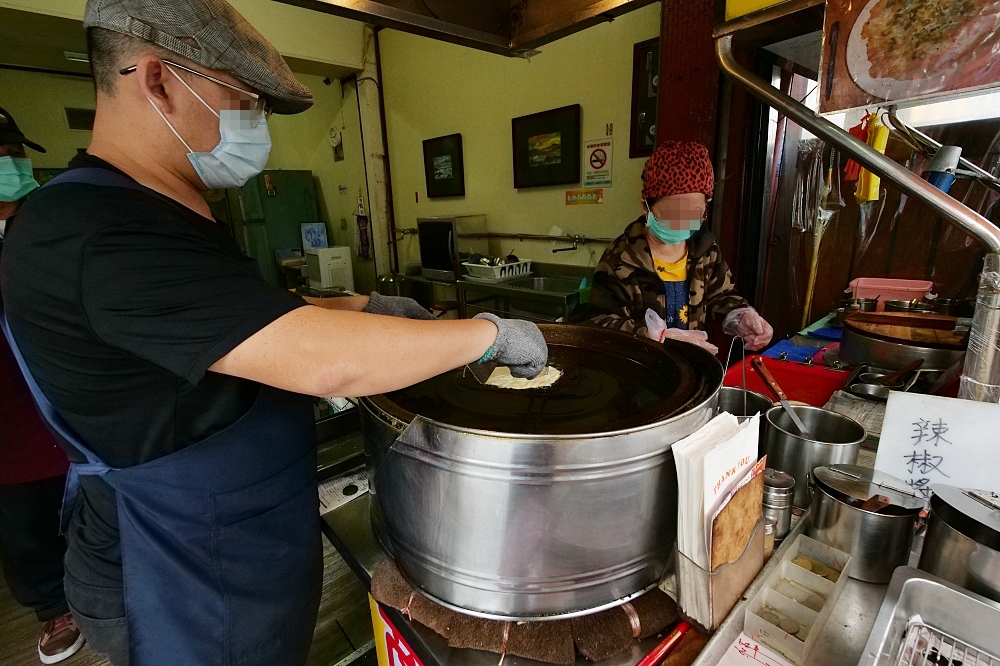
[{"x": 211, "y": 33}]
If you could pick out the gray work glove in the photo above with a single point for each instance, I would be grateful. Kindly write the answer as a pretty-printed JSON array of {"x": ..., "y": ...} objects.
[
  {"x": 520, "y": 346},
  {"x": 396, "y": 306}
]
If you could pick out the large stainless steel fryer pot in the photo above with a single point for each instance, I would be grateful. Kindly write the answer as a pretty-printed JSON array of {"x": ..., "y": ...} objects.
[{"x": 539, "y": 512}]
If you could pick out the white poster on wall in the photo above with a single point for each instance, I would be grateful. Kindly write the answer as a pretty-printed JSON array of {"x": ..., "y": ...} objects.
[
  {"x": 927, "y": 439},
  {"x": 597, "y": 163}
]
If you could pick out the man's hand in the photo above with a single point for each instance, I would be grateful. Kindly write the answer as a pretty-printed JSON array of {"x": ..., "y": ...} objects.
[
  {"x": 520, "y": 346},
  {"x": 396, "y": 306}
]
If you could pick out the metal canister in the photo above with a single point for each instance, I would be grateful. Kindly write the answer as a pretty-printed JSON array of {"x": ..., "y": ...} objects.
[
  {"x": 779, "y": 489},
  {"x": 878, "y": 535}
]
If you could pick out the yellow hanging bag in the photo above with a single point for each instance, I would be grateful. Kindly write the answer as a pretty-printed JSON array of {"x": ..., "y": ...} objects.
[{"x": 868, "y": 183}]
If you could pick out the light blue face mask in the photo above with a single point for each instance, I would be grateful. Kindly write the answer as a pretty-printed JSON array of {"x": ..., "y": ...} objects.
[
  {"x": 242, "y": 151},
  {"x": 661, "y": 230},
  {"x": 16, "y": 178}
]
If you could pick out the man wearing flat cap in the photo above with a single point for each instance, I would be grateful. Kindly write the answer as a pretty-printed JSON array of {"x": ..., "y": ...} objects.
[
  {"x": 173, "y": 375},
  {"x": 665, "y": 276}
]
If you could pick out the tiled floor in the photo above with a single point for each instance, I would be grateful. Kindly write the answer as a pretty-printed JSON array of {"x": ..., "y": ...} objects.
[{"x": 344, "y": 622}]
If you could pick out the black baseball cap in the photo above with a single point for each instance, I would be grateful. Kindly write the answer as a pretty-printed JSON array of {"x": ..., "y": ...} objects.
[{"x": 11, "y": 133}]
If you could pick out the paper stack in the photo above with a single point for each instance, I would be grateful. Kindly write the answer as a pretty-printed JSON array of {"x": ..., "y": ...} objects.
[{"x": 720, "y": 490}]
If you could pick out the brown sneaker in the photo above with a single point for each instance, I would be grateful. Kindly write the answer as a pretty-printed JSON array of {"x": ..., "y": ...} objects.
[{"x": 60, "y": 640}]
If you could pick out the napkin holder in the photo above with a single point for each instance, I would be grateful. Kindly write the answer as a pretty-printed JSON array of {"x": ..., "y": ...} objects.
[{"x": 707, "y": 597}]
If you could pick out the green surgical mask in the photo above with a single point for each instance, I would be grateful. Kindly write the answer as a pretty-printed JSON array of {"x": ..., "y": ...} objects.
[
  {"x": 16, "y": 178},
  {"x": 662, "y": 231}
]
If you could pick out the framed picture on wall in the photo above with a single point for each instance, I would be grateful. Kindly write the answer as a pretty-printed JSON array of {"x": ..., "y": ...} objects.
[
  {"x": 645, "y": 86},
  {"x": 444, "y": 168},
  {"x": 547, "y": 147}
]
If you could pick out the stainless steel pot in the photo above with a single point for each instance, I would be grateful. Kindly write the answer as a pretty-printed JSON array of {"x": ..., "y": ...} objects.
[
  {"x": 877, "y": 541},
  {"x": 962, "y": 544},
  {"x": 731, "y": 399},
  {"x": 834, "y": 440},
  {"x": 856, "y": 349},
  {"x": 861, "y": 304},
  {"x": 519, "y": 525},
  {"x": 908, "y": 306},
  {"x": 744, "y": 404},
  {"x": 949, "y": 306}
]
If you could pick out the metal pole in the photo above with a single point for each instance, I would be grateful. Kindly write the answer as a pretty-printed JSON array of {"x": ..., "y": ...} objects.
[{"x": 980, "y": 380}]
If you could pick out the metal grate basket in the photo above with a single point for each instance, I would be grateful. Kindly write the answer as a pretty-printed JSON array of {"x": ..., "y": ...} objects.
[{"x": 926, "y": 646}]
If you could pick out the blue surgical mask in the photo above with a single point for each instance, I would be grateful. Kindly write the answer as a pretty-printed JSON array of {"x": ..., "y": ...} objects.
[
  {"x": 242, "y": 151},
  {"x": 16, "y": 178},
  {"x": 662, "y": 231}
]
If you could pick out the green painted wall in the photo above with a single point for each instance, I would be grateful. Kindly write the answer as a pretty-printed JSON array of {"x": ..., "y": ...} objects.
[
  {"x": 302, "y": 142},
  {"x": 36, "y": 101},
  {"x": 433, "y": 89},
  {"x": 299, "y": 142},
  {"x": 296, "y": 32}
]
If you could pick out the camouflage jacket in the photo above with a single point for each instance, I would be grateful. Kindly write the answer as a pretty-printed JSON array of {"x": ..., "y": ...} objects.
[{"x": 626, "y": 283}]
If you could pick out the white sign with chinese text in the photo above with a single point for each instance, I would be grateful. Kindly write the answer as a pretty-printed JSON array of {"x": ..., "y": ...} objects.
[
  {"x": 597, "y": 163},
  {"x": 928, "y": 439}
]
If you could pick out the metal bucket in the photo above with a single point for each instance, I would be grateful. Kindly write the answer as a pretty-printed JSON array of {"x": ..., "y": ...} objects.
[
  {"x": 527, "y": 526},
  {"x": 857, "y": 348},
  {"x": 962, "y": 543},
  {"x": 731, "y": 400},
  {"x": 837, "y": 440}
]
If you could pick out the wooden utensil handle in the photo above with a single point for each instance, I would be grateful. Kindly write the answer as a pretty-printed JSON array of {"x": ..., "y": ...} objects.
[
  {"x": 905, "y": 370},
  {"x": 758, "y": 365}
]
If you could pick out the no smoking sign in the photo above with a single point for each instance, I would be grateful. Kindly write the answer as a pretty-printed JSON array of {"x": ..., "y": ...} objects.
[
  {"x": 598, "y": 158},
  {"x": 597, "y": 165}
]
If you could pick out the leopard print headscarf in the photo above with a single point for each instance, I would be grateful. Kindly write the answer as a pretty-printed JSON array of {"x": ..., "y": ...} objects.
[{"x": 678, "y": 167}]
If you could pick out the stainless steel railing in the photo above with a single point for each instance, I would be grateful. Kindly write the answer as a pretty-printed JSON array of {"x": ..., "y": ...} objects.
[{"x": 981, "y": 375}]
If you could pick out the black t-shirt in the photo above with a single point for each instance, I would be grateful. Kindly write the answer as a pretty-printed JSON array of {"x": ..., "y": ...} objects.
[{"x": 120, "y": 300}]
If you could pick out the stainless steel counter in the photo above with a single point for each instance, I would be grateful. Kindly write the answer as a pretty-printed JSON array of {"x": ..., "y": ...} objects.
[{"x": 845, "y": 634}]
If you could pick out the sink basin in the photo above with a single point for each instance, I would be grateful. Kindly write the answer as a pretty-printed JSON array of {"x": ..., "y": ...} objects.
[
  {"x": 550, "y": 284},
  {"x": 922, "y": 614}
]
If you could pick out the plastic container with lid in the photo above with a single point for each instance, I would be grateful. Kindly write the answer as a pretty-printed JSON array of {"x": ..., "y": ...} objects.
[
  {"x": 962, "y": 544},
  {"x": 889, "y": 289},
  {"x": 868, "y": 514},
  {"x": 779, "y": 489}
]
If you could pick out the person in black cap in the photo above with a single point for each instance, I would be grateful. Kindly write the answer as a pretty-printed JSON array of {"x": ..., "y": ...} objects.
[
  {"x": 174, "y": 372},
  {"x": 32, "y": 467}
]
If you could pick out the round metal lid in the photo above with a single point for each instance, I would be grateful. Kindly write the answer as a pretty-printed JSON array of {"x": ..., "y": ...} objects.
[
  {"x": 852, "y": 482},
  {"x": 971, "y": 516},
  {"x": 611, "y": 381},
  {"x": 777, "y": 482}
]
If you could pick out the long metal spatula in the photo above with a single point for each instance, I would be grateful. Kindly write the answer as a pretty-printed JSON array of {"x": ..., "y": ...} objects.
[{"x": 758, "y": 365}]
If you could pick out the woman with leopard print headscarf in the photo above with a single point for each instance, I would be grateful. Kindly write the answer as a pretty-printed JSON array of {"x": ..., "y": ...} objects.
[{"x": 665, "y": 262}]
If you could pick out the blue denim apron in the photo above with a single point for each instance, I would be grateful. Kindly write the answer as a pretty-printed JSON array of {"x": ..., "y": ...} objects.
[{"x": 220, "y": 541}]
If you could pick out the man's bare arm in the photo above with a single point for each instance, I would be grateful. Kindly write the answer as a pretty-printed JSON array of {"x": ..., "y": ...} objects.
[
  {"x": 352, "y": 303},
  {"x": 325, "y": 352}
]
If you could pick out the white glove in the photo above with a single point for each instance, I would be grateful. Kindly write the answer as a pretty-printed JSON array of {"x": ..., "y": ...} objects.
[{"x": 746, "y": 323}]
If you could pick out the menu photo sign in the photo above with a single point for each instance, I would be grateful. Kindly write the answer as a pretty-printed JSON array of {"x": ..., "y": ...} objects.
[
  {"x": 877, "y": 52},
  {"x": 927, "y": 439}
]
